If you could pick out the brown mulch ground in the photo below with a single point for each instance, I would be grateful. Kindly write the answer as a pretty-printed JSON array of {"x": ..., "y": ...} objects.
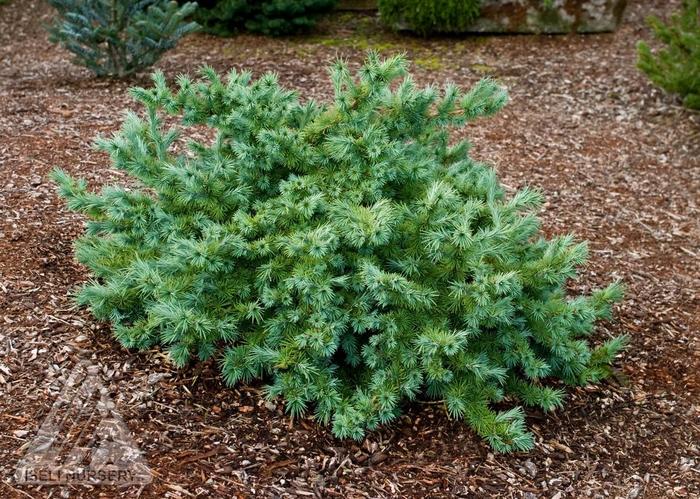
[{"x": 620, "y": 165}]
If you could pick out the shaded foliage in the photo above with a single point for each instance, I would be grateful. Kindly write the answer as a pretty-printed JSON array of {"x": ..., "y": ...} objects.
[{"x": 270, "y": 17}]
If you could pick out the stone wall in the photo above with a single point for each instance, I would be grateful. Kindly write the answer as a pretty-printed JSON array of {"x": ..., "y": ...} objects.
[
  {"x": 562, "y": 16},
  {"x": 534, "y": 16}
]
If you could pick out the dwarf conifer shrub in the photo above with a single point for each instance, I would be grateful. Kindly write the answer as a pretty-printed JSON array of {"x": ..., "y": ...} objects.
[
  {"x": 270, "y": 17},
  {"x": 350, "y": 252},
  {"x": 430, "y": 16},
  {"x": 676, "y": 68},
  {"x": 119, "y": 37}
]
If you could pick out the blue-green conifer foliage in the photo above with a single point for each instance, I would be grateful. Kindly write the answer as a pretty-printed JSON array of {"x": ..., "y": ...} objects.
[
  {"x": 119, "y": 37},
  {"x": 350, "y": 253}
]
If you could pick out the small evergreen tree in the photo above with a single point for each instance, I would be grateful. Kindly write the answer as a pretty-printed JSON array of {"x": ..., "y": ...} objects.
[
  {"x": 270, "y": 17},
  {"x": 119, "y": 37},
  {"x": 430, "y": 16},
  {"x": 676, "y": 68},
  {"x": 350, "y": 252}
]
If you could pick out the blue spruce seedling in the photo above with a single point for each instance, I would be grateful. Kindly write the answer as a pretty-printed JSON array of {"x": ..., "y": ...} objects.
[{"x": 119, "y": 37}]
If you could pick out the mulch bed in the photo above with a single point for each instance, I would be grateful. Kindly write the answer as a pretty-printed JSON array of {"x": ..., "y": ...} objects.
[{"x": 619, "y": 163}]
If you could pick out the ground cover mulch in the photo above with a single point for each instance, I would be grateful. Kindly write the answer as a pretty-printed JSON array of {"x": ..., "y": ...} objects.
[{"x": 618, "y": 160}]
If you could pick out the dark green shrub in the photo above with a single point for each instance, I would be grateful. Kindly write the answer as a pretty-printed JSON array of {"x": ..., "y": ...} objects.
[
  {"x": 676, "y": 68},
  {"x": 119, "y": 37},
  {"x": 346, "y": 252},
  {"x": 430, "y": 16},
  {"x": 270, "y": 17}
]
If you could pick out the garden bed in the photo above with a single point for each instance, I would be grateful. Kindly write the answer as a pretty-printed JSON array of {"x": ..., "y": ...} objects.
[{"x": 618, "y": 163}]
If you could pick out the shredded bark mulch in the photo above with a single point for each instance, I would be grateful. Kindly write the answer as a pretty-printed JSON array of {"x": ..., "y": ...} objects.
[{"x": 619, "y": 163}]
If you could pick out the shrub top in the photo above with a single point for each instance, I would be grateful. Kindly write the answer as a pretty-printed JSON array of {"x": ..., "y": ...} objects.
[
  {"x": 676, "y": 67},
  {"x": 350, "y": 253},
  {"x": 430, "y": 16}
]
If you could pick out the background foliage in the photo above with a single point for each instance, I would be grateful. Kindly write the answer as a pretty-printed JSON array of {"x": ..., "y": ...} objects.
[
  {"x": 270, "y": 17},
  {"x": 676, "y": 67},
  {"x": 349, "y": 253}
]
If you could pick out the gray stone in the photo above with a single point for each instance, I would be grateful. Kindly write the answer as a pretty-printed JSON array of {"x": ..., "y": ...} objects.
[
  {"x": 530, "y": 468},
  {"x": 539, "y": 16},
  {"x": 555, "y": 16}
]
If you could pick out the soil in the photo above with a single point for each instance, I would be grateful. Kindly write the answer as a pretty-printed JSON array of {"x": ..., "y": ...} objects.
[{"x": 618, "y": 160}]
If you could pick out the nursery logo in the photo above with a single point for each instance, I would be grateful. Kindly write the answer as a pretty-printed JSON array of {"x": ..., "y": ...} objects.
[{"x": 83, "y": 440}]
